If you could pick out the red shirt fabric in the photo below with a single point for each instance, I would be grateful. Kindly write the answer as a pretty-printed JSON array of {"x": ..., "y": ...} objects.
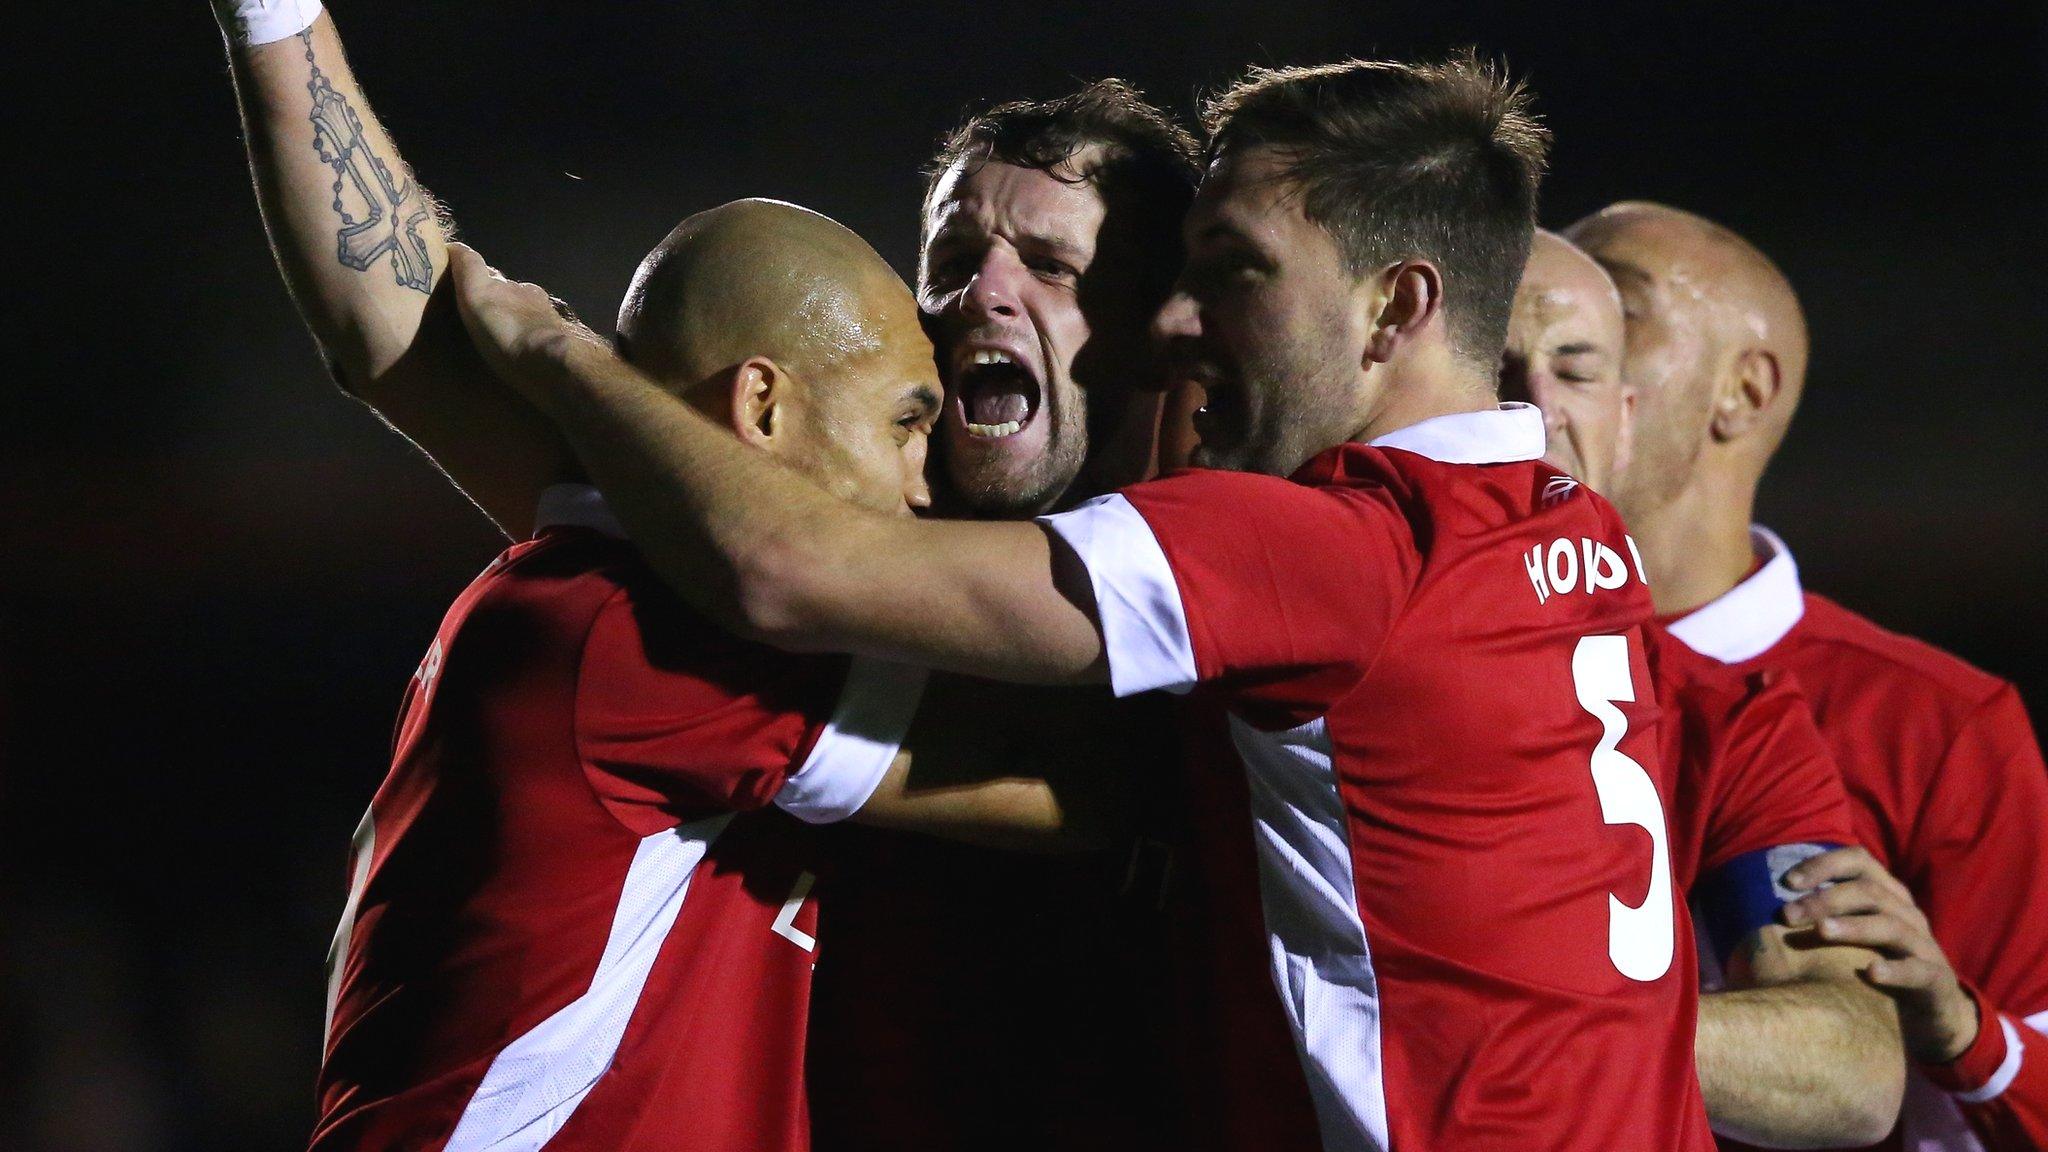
[
  {"x": 1427, "y": 658},
  {"x": 1754, "y": 774},
  {"x": 584, "y": 909},
  {"x": 1754, "y": 771},
  {"x": 1948, "y": 789}
]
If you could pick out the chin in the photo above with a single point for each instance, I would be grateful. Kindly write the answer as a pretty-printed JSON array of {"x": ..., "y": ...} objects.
[{"x": 992, "y": 490}]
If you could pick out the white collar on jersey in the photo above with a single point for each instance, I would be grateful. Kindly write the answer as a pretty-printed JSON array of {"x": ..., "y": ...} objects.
[
  {"x": 1745, "y": 621},
  {"x": 1506, "y": 434},
  {"x": 576, "y": 506}
]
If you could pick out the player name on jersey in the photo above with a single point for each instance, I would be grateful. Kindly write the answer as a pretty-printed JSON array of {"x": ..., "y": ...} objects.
[{"x": 1564, "y": 566}]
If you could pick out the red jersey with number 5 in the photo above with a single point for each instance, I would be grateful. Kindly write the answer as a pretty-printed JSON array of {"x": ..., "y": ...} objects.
[
  {"x": 1428, "y": 659},
  {"x": 578, "y": 918}
]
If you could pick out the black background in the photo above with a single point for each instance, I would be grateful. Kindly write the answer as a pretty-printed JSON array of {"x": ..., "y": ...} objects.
[{"x": 216, "y": 573}]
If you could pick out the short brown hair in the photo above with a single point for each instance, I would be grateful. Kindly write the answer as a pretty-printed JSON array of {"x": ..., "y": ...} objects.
[
  {"x": 1142, "y": 150},
  {"x": 1437, "y": 161}
]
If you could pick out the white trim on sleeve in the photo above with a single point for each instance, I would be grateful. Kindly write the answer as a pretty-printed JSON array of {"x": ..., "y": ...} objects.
[
  {"x": 2008, "y": 1068},
  {"x": 855, "y": 750},
  {"x": 257, "y": 22},
  {"x": 1137, "y": 600}
]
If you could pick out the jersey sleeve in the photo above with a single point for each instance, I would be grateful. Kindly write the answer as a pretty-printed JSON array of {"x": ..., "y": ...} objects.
[
  {"x": 1984, "y": 885},
  {"x": 1249, "y": 583},
  {"x": 1776, "y": 781},
  {"x": 675, "y": 719},
  {"x": 1775, "y": 798},
  {"x": 2000, "y": 1083}
]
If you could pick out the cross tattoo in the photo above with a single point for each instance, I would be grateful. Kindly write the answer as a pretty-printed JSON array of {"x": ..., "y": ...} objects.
[{"x": 397, "y": 207}]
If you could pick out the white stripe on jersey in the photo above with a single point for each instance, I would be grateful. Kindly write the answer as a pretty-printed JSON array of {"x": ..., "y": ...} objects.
[
  {"x": 536, "y": 1082},
  {"x": 1322, "y": 965}
]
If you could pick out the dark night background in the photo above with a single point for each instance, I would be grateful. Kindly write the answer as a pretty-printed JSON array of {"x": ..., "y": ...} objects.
[{"x": 216, "y": 572}]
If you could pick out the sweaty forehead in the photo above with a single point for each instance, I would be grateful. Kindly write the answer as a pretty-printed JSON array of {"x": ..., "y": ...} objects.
[
  {"x": 978, "y": 196},
  {"x": 1245, "y": 193},
  {"x": 1649, "y": 253},
  {"x": 1564, "y": 286}
]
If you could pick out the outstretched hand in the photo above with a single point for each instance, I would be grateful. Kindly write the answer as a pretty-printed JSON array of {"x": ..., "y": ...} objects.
[
  {"x": 1867, "y": 906},
  {"x": 525, "y": 336}
]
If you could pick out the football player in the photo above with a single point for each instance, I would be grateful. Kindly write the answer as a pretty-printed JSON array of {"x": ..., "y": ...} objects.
[
  {"x": 1942, "y": 766},
  {"x": 1796, "y": 1051}
]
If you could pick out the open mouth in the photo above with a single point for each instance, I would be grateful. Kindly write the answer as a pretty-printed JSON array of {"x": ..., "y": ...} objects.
[
  {"x": 997, "y": 395},
  {"x": 1222, "y": 413}
]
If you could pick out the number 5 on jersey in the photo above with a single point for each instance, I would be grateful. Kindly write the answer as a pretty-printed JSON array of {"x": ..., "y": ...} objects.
[{"x": 1640, "y": 938}]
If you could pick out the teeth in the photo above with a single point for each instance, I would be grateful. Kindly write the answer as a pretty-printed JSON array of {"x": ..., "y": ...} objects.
[
  {"x": 1006, "y": 428},
  {"x": 991, "y": 356}
]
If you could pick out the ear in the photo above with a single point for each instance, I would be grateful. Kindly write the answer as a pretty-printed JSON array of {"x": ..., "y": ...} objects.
[
  {"x": 758, "y": 391},
  {"x": 1409, "y": 296},
  {"x": 1752, "y": 386}
]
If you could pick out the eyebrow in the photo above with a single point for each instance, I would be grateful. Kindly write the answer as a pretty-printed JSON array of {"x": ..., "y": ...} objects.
[
  {"x": 1065, "y": 249},
  {"x": 1577, "y": 348},
  {"x": 923, "y": 396},
  {"x": 1224, "y": 229}
]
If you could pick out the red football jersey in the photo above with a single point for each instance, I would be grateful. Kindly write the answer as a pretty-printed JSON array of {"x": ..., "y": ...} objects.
[
  {"x": 1428, "y": 656},
  {"x": 576, "y": 922},
  {"x": 1947, "y": 786},
  {"x": 1754, "y": 772}
]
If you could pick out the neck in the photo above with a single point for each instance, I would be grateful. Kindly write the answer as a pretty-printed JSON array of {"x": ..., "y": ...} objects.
[
  {"x": 1416, "y": 395},
  {"x": 1697, "y": 546}
]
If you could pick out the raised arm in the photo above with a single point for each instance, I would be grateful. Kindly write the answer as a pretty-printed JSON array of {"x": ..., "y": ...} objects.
[
  {"x": 363, "y": 250},
  {"x": 765, "y": 552}
]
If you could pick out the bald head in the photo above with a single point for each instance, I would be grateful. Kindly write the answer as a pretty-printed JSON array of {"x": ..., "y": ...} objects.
[
  {"x": 1564, "y": 355},
  {"x": 1717, "y": 348},
  {"x": 759, "y": 278},
  {"x": 1561, "y": 277},
  {"x": 789, "y": 324}
]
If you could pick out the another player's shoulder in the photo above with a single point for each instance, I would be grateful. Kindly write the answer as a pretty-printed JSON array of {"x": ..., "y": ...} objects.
[
  {"x": 1707, "y": 697},
  {"x": 1325, "y": 480},
  {"x": 557, "y": 579},
  {"x": 1508, "y": 494},
  {"x": 1311, "y": 511},
  {"x": 1848, "y": 644}
]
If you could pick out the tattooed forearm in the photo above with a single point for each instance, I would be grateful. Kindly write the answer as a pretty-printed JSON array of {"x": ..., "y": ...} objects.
[{"x": 395, "y": 206}]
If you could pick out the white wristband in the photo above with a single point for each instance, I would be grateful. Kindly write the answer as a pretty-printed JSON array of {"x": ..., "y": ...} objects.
[{"x": 253, "y": 22}]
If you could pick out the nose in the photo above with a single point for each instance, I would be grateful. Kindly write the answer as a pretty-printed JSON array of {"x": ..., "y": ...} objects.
[
  {"x": 1177, "y": 319},
  {"x": 917, "y": 491},
  {"x": 993, "y": 292}
]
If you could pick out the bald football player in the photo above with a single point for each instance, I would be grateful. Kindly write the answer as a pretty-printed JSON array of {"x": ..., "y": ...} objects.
[
  {"x": 1942, "y": 766},
  {"x": 1793, "y": 1051},
  {"x": 1564, "y": 356},
  {"x": 575, "y": 920}
]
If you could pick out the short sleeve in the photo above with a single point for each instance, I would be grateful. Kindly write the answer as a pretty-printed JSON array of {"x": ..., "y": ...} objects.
[
  {"x": 1776, "y": 783},
  {"x": 676, "y": 719},
  {"x": 1774, "y": 798},
  {"x": 1241, "y": 581}
]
